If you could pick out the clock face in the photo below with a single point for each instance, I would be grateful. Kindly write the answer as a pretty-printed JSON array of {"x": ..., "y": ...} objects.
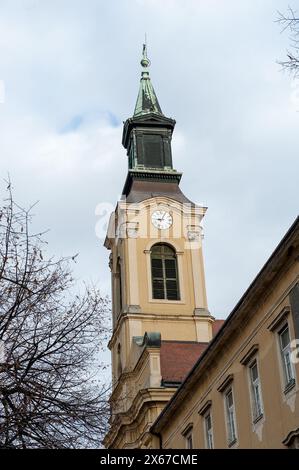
[{"x": 161, "y": 219}]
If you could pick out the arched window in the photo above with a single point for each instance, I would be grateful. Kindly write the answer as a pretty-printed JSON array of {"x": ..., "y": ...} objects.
[{"x": 164, "y": 272}]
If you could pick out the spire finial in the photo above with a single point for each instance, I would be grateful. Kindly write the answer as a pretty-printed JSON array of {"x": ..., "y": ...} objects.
[
  {"x": 145, "y": 62},
  {"x": 147, "y": 100}
]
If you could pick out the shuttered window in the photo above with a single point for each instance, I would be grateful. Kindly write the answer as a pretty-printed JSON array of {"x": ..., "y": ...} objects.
[{"x": 164, "y": 273}]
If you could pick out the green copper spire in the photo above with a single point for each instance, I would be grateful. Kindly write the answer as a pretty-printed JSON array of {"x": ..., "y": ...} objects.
[{"x": 147, "y": 101}]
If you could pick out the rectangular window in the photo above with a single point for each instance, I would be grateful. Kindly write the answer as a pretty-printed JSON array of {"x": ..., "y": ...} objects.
[
  {"x": 209, "y": 431},
  {"x": 285, "y": 351},
  {"x": 230, "y": 417},
  {"x": 256, "y": 393},
  {"x": 189, "y": 440}
]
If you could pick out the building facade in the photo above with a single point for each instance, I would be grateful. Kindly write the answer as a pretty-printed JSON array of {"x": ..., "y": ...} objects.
[
  {"x": 243, "y": 392},
  {"x": 162, "y": 329}
]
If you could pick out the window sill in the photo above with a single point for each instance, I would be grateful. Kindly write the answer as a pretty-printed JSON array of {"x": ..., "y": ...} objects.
[
  {"x": 232, "y": 443},
  {"x": 289, "y": 386},
  {"x": 166, "y": 301},
  {"x": 258, "y": 418}
]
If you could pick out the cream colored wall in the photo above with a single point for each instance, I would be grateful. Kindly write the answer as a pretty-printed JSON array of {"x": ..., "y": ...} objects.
[
  {"x": 281, "y": 413},
  {"x": 137, "y": 257},
  {"x": 141, "y": 314}
]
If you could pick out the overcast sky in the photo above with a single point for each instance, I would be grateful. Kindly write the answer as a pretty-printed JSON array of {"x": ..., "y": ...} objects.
[{"x": 70, "y": 69}]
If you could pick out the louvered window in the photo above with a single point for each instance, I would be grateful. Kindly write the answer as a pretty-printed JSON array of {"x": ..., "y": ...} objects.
[{"x": 164, "y": 273}]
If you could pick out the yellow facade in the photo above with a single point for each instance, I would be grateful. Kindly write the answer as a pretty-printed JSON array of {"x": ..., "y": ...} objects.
[{"x": 252, "y": 333}]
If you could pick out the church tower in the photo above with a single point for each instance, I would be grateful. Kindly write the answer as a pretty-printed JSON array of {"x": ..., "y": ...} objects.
[{"x": 161, "y": 321}]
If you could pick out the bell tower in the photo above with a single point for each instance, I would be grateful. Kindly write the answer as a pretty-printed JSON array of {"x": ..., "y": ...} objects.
[{"x": 161, "y": 321}]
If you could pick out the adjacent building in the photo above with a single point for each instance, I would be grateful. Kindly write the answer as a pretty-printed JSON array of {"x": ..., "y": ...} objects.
[{"x": 243, "y": 391}]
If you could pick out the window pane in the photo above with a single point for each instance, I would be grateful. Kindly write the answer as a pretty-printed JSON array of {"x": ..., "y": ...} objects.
[
  {"x": 230, "y": 416},
  {"x": 288, "y": 366},
  {"x": 284, "y": 338},
  {"x": 156, "y": 250},
  {"x": 232, "y": 425},
  {"x": 254, "y": 372},
  {"x": 172, "y": 290},
  {"x": 157, "y": 268},
  {"x": 157, "y": 263},
  {"x": 167, "y": 250},
  {"x": 209, "y": 433},
  {"x": 170, "y": 268},
  {"x": 257, "y": 398},
  {"x": 229, "y": 398},
  {"x": 208, "y": 422},
  {"x": 158, "y": 289}
]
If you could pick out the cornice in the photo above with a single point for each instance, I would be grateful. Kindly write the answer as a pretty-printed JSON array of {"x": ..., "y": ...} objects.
[
  {"x": 146, "y": 397},
  {"x": 153, "y": 316}
]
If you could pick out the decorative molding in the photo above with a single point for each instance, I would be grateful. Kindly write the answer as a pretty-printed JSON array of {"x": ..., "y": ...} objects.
[
  {"x": 279, "y": 318},
  {"x": 249, "y": 355},
  {"x": 201, "y": 312},
  {"x": 169, "y": 241},
  {"x": 225, "y": 383},
  {"x": 151, "y": 175},
  {"x": 132, "y": 309},
  {"x": 193, "y": 235},
  {"x": 187, "y": 429},
  {"x": 207, "y": 405},
  {"x": 132, "y": 232},
  {"x": 156, "y": 175}
]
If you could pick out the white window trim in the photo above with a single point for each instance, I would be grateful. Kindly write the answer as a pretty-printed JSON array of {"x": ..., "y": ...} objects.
[
  {"x": 254, "y": 412},
  {"x": 188, "y": 437},
  {"x": 187, "y": 433},
  {"x": 230, "y": 442},
  {"x": 205, "y": 416},
  {"x": 286, "y": 386}
]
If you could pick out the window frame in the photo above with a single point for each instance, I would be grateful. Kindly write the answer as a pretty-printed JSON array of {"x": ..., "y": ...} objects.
[
  {"x": 231, "y": 439},
  {"x": 288, "y": 379},
  {"x": 164, "y": 257},
  {"x": 209, "y": 435},
  {"x": 189, "y": 439},
  {"x": 257, "y": 405},
  {"x": 187, "y": 434}
]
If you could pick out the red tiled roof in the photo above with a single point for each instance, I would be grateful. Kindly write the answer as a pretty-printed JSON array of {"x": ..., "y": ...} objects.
[
  {"x": 217, "y": 324},
  {"x": 178, "y": 358}
]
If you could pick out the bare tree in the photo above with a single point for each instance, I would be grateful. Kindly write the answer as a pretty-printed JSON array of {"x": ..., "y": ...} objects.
[
  {"x": 51, "y": 395},
  {"x": 290, "y": 22}
]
